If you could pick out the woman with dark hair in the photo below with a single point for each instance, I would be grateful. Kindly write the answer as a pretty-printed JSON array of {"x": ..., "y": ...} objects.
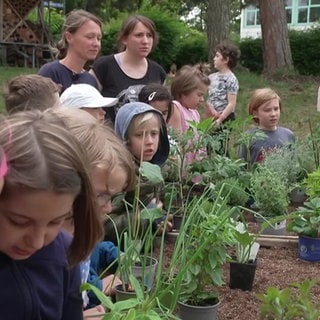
[{"x": 131, "y": 66}]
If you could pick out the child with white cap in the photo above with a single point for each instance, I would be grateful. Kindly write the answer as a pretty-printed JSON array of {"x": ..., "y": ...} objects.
[{"x": 86, "y": 97}]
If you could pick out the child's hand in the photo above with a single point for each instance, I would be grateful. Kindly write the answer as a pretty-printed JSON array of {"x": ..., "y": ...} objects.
[
  {"x": 161, "y": 224},
  {"x": 109, "y": 283},
  {"x": 211, "y": 112},
  {"x": 94, "y": 312}
]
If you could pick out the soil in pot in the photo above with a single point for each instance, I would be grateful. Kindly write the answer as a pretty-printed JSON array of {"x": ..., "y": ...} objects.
[{"x": 242, "y": 275}]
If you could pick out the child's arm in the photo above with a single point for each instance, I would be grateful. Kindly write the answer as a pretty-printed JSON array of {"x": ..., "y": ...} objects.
[{"x": 232, "y": 100}]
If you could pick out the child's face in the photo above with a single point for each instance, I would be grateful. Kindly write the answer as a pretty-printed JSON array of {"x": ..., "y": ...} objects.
[
  {"x": 97, "y": 113},
  {"x": 145, "y": 138},
  {"x": 268, "y": 114},
  {"x": 219, "y": 61},
  {"x": 195, "y": 98},
  {"x": 30, "y": 220},
  {"x": 162, "y": 106},
  {"x": 107, "y": 184}
]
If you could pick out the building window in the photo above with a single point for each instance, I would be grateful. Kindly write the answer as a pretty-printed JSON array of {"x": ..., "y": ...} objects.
[
  {"x": 252, "y": 16},
  {"x": 297, "y": 12}
]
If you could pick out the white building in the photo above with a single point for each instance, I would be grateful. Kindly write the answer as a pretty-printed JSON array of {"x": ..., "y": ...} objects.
[{"x": 301, "y": 14}]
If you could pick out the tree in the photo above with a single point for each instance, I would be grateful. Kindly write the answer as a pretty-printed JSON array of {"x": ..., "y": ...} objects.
[
  {"x": 275, "y": 40},
  {"x": 218, "y": 23}
]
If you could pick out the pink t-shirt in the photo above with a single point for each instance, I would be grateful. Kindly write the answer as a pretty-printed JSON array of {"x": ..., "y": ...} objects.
[
  {"x": 186, "y": 115},
  {"x": 189, "y": 115}
]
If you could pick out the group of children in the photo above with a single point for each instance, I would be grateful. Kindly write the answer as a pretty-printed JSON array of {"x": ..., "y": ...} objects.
[{"x": 66, "y": 175}]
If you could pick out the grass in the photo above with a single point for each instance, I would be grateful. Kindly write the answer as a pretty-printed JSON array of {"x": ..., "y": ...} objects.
[{"x": 298, "y": 94}]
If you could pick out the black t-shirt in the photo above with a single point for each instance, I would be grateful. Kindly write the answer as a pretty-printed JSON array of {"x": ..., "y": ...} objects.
[{"x": 114, "y": 80}]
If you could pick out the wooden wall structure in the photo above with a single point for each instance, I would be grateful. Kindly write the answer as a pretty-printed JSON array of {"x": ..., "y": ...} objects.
[{"x": 21, "y": 42}]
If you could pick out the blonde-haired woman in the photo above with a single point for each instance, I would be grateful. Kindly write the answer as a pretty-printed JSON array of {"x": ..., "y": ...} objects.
[{"x": 80, "y": 43}]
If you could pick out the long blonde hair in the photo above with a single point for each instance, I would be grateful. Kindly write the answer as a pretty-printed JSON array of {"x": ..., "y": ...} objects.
[{"x": 104, "y": 148}]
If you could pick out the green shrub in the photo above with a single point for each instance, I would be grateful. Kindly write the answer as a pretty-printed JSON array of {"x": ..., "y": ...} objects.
[
  {"x": 305, "y": 47},
  {"x": 251, "y": 54},
  {"x": 192, "y": 49}
]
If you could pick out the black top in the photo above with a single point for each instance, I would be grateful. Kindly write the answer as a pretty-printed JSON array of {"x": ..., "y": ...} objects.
[{"x": 114, "y": 80}]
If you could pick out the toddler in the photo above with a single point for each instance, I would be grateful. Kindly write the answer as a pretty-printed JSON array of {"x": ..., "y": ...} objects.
[{"x": 188, "y": 89}]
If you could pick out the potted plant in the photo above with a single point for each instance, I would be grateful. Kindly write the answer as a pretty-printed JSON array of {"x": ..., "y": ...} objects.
[
  {"x": 244, "y": 262},
  {"x": 306, "y": 223},
  {"x": 181, "y": 182},
  {"x": 209, "y": 236},
  {"x": 285, "y": 163},
  {"x": 270, "y": 194}
]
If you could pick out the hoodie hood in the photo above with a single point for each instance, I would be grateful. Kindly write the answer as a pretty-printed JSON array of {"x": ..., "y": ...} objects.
[{"x": 124, "y": 117}]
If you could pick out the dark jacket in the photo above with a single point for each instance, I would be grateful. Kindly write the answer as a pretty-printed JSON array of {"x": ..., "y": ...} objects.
[
  {"x": 42, "y": 286},
  {"x": 104, "y": 254}
]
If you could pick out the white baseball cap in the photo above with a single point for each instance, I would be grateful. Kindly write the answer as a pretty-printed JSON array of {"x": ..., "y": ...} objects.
[{"x": 84, "y": 95}]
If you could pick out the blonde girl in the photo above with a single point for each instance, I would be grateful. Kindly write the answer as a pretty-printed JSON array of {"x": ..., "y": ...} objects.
[
  {"x": 48, "y": 180},
  {"x": 112, "y": 172}
]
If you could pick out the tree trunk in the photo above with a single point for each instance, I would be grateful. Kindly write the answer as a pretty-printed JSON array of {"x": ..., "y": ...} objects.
[
  {"x": 218, "y": 23},
  {"x": 275, "y": 39}
]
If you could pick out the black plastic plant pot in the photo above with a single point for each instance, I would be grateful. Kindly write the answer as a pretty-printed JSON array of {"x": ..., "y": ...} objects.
[{"x": 242, "y": 275}]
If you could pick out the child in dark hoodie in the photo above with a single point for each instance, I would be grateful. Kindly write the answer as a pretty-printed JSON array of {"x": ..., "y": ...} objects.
[{"x": 143, "y": 129}]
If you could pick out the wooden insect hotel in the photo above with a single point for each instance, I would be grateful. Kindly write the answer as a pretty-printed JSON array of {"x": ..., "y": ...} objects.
[{"x": 22, "y": 43}]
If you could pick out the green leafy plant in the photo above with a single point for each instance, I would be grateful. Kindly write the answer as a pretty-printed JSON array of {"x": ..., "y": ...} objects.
[
  {"x": 312, "y": 184},
  {"x": 269, "y": 191},
  {"x": 294, "y": 302},
  {"x": 143, "y": 306},
  {"x": 285, "y": 163},
  {"x": 210, "y": 234},
  {"x": 246, "y": 245},
  {"x": 184, "y": 147},
  {"x": 234, "y": 190},
  {"x": 146, "y": 303},
  {"x": 306, "y": 219}
]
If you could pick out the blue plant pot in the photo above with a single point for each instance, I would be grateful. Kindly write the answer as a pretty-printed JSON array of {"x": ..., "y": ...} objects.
[{"x": 309, "y": 248}]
